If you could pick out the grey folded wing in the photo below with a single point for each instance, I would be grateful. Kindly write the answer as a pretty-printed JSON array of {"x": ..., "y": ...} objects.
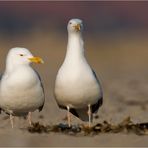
[
  {"x": 96, "y": 106},
  {"x": 41, "y": 107}
]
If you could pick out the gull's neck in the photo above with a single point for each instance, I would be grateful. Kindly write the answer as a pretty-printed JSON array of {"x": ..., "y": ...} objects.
[{"x": 75, "y": 48}]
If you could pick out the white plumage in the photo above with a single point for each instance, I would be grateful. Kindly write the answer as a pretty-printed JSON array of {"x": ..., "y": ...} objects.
[
  {"x": 21, "y": 90},
  {"x": 77, "y": 88}
]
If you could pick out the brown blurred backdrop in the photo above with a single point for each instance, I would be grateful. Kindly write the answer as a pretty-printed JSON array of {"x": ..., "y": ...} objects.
[
  {"x": 98, "y": 15},
  {"x": 116, "y": 42}
]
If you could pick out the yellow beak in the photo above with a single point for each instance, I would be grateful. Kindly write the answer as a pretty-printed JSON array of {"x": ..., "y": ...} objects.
[
  {"x": 37, "y": 60},
  {"x": 77, "y": 27}
]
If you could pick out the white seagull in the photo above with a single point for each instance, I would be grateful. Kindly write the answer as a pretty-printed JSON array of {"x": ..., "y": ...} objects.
[
  {"x": 21, "y": 90},
  {"x": 77, "y": 87}
]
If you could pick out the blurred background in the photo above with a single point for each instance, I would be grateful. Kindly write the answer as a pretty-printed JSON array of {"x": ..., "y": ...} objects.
[
  {"x": 116, "y": 43},
  {"x": 98, "y": 16}
]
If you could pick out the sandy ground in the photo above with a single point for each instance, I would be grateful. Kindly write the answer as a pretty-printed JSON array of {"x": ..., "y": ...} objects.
[{"x": 120, "y": 61}]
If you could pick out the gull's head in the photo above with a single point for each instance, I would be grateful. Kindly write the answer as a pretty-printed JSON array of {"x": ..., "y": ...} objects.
[
  {"x": 22, "y": 56},
  {"x": 75, "y": 26}
]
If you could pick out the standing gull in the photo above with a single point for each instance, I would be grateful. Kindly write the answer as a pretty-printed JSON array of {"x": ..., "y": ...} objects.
[
  {"x": 77, "y": 88},
  {"x": 21, "y": 90}
]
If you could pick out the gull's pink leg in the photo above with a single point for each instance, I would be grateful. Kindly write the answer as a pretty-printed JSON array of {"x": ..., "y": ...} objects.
[
  {"x": 29, "y": 118},
  {"x": 68, "y": 116},
  {"x": 11, "y": 120},
  {"x": 89, "y": 114}
]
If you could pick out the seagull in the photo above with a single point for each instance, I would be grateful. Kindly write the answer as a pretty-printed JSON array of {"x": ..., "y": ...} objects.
[
  {"x": 21, "y": 89},
  {"x": 77, "y": 88}
]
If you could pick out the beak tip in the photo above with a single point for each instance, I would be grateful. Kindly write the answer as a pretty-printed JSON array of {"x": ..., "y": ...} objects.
[
  {"x": 37, "y": 60},
  {"x": 77, "y": 27}
]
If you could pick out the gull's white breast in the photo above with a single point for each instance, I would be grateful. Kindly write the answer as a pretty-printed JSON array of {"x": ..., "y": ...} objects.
[
  {"x": 21, "y": 91},
  {"x": 76, "y": 85}
]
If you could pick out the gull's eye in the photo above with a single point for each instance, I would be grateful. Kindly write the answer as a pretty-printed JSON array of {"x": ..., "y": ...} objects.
[
  {"x": 70, "y": 23},
  {"x": 21, "y": 55}
]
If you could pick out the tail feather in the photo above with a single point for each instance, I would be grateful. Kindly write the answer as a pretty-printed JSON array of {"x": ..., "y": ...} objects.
[{"x": 83, "y": 115}]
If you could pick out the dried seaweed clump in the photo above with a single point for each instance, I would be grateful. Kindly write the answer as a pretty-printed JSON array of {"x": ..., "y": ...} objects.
[{"x": 126, "y": 126}]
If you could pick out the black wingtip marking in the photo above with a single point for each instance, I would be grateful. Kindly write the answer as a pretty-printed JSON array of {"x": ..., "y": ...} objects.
[
  {"x": 96, "y": 106},
  {"x": 73, "y": 111},
  {"x": 40, "y": 108}
]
